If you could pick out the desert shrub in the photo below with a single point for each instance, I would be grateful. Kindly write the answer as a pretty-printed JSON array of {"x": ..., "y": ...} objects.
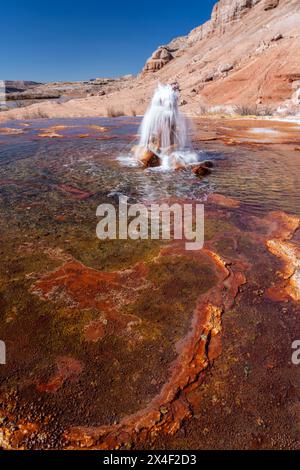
[
  {"x": 42, "y": 114},
  {"x": 217, "y": 110},
  {"x": 38, "y": 114},
  {"x": 291, "y": 112},
  {"x": 113, "y": 112},
  {"x": 266, "y": 111},
  {"x": 203, "y": 110},
  {"x": 254, "y": 110},
  {"x": 246, "y": 110}
]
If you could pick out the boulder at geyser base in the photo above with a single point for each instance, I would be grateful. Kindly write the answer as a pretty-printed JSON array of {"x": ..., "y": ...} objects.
[{"x": 149, "y": 159}]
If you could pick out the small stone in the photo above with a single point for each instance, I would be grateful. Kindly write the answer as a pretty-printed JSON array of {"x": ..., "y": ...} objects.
[
  {"x": 226, "y": 68},
  {"x": 164, "y": 410},
  {"x": 208, "y": 164},
  {"x": 277, "y": 37},
  {"x": 201, "y": 170}
]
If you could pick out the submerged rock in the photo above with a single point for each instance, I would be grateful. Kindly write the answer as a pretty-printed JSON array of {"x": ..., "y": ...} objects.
[
  {"x": 201, "y": 170},
  {"x": 208, "y": 164}
]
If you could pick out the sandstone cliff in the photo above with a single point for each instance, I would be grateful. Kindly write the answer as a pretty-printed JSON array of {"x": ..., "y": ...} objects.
[{"x": 248, "y": 53}]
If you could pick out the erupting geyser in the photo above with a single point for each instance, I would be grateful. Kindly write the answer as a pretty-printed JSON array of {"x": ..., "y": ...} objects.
[{"x": 164, "y": 139}]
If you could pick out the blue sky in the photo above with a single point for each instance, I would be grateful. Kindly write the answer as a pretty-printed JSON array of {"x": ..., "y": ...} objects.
[{"x": 72, "y": 40}]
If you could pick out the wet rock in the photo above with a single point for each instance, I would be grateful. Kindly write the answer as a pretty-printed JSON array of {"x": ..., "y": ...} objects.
[
  {"x": 224, "y": 201},
  {"x": 149, "y": 159},
  {"x": 201, "y": 170},
  {"x": 50, "y": 135},
  {"x": 11, "y": 131},
  {"x": 208, "y": 164}
]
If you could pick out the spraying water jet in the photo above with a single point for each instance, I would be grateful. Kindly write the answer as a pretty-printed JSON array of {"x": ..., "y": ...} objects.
[{"x": 164, "y": 137}]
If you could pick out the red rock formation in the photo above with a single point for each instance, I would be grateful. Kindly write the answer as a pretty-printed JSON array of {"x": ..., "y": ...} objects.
[
  {"x": 247, "y": 53},
  {"x": 236, "y": 55}
]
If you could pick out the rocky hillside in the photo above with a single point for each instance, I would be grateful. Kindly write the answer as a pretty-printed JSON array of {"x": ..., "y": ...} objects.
[
  {"x": 246, "y": 55},
  {"x": 19, "y": 86},
  {"x": 25, "y": 92}
]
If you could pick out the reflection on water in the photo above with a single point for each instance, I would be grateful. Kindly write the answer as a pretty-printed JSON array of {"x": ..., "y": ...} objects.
[{"x": 263, "y": 179}]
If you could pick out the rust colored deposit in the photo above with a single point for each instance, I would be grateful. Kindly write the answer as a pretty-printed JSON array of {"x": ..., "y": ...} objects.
[
  {"x": 288, "y": 285},
  {"x": 86, "y": 288},
  {"x": 196, "y": 352},
  {"x": 108, "y": 292},
  {"x": 67, "y": 369}
]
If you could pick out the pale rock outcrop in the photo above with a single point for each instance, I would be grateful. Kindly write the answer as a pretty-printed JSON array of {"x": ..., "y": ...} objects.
[
  {"x": 226, "y": 67},
  {"x": 246, "y": 53},
  {"x": 159, "y": 58},
  {"x": 296, "y": 97},
  {"x": 270, "y": 4},
  {"x": 224, "y": 13}
]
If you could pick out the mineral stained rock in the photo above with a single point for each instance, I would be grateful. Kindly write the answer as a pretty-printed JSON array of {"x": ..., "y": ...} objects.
[{"x": 149, "y": 159}]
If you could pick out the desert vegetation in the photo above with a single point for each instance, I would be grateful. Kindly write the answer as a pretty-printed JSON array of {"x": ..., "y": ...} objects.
[
  {"x": 114, "y": 112},
  {"x": 254, "y": 110}
]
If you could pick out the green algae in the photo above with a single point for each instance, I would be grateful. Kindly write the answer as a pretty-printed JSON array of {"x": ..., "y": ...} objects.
[
  {"x": 225, "y": 246},
  {"x": 216, "y": 226},
  {"x": 111, "y": 255},
  {"x": 177, "y": 282}
]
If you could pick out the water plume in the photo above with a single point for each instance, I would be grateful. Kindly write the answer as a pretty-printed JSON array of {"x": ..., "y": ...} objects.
[{"x": 164, "y": 132}]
